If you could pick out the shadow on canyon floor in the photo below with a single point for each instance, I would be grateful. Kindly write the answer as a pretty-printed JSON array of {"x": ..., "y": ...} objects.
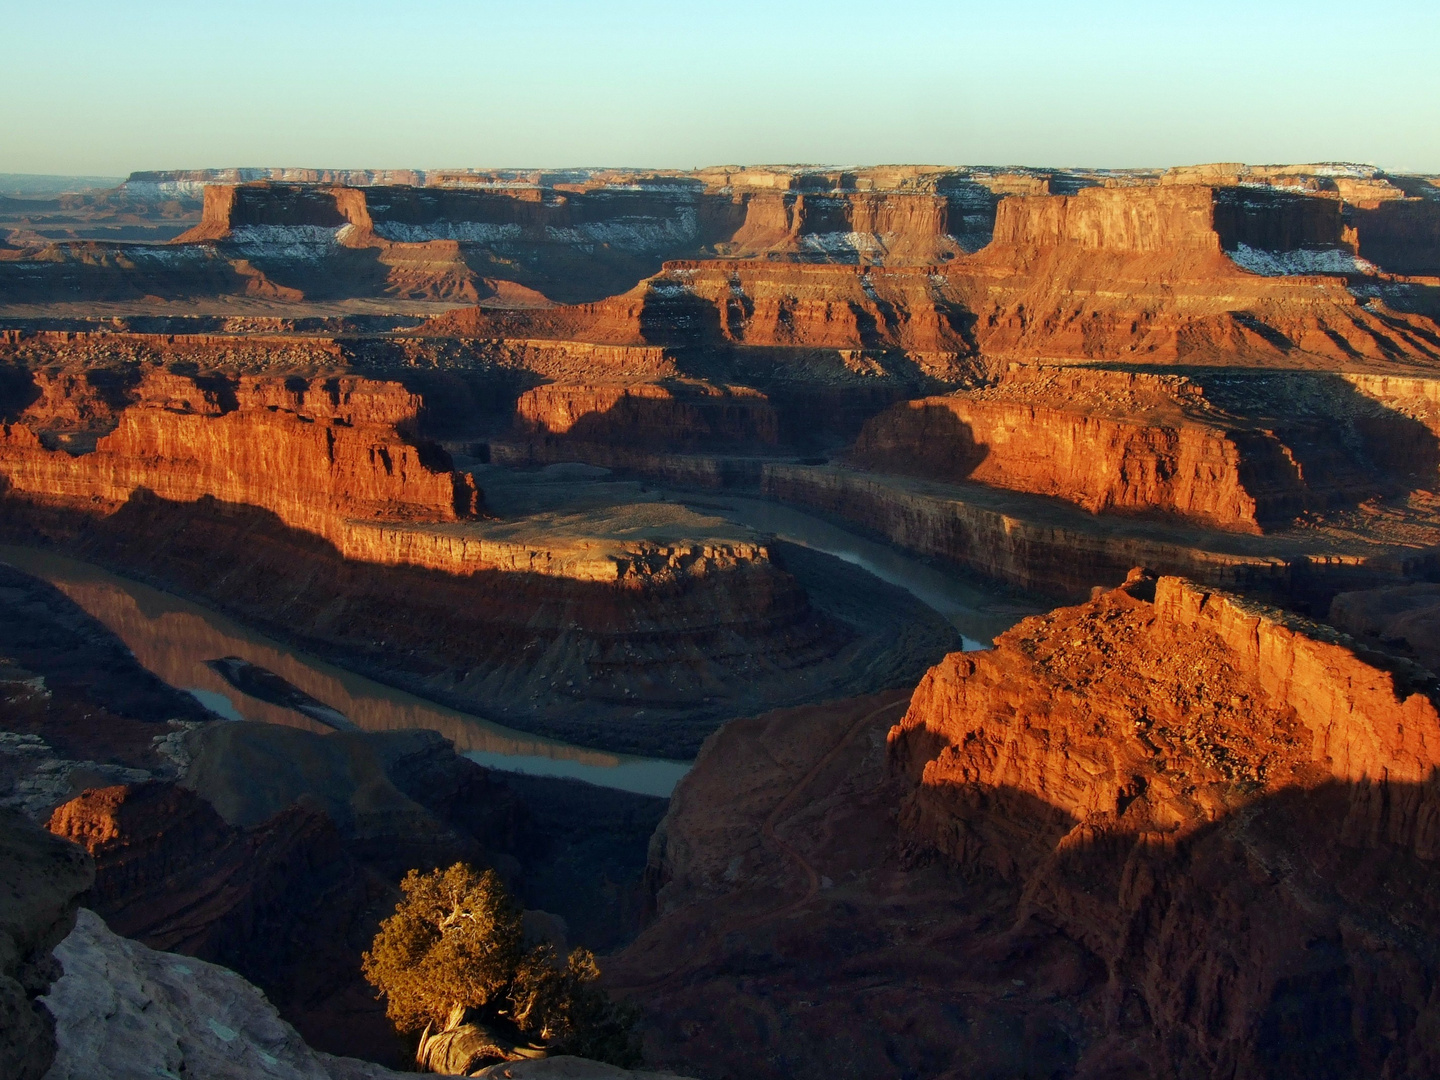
[
  {"x": 802, "y": 932},
  {"x": 648, "y": 671}
]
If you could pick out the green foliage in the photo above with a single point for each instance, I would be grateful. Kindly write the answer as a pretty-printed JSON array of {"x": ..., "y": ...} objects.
[
  {"x": 455, "y": 944},
  {"x": 454, "y": 940},
  {"x": 560, "y": 1005}
]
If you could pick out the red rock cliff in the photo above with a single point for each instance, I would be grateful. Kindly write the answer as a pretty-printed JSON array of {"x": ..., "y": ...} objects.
[
  {"x": 316, "y": 454},
  {"x": 1230, "y": 807},
  {"x": 675, "y": 416},
  {"x": 1151, "y": 458}
]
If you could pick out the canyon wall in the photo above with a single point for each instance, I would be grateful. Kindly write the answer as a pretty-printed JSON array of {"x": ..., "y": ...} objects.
[
  {"x": 1213, "y": 272},
  {"x": 1101, "y": 463},
  {"x": 1150, "y": 274},
  {"x": 1242, "y": 451},
  {"x": 1170, "y": 773},
  {"x": 315, "y": 454},
  {"x": 678, "y": 416},
  {"x": 1064, "y": 552},
  {"x": 1164, "y": 274},
  {"x": 1173, "y": 221}
]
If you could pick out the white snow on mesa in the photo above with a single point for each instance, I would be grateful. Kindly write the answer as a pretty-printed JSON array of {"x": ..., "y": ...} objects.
[
  {"x": 634, "y": 234},
  {"x": 471, "y": 232},
  {"x": 670, "y": 289},
  {"x": 307, "y": 242},
  {"x": 843, "y": 243},
  {"x": 164, "y": 190},
  {"x": 630, "y": 234},
  {"x": 1303, "y": 261},
  {"x": 167, "y": 255}
]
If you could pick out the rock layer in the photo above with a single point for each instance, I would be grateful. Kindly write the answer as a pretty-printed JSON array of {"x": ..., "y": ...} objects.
[
  {"x": 1246, "y": 452},
  {"x": 315, "y": 455},
  {"x": 1170, "y": 774},
  {"x": 127, "y": 1010}
]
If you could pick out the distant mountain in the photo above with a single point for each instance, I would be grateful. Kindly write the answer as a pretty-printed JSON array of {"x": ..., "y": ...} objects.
[{"x": 41, "y": 184}]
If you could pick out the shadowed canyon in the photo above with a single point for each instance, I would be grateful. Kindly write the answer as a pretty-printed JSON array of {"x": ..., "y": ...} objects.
[{"x": 908, "y": 622}]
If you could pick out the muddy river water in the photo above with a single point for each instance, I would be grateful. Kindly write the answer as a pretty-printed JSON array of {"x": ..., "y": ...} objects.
[
  {"x": 979, "y": 611},
  {"x": 181, "y": 642},
  {"x": 174, "y": 639}
]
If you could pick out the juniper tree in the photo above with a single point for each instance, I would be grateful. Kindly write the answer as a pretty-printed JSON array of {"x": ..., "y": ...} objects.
[{"x": 455, "y": 946}]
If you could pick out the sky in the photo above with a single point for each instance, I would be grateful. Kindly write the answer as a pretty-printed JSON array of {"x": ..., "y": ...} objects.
[{"x": 104, "y": 87}]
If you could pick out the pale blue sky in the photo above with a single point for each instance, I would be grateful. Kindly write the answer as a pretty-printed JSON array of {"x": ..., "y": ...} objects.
[{"x": 108, "y": 86}]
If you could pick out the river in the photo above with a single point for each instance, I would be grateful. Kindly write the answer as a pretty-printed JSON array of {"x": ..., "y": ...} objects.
[
  {"x": 174, "y": 638},
  {"x": 980, "y": 611}
]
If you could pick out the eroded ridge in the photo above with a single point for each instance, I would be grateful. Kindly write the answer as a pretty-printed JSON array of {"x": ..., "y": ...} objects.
[{"x": 1234, "y": 809}]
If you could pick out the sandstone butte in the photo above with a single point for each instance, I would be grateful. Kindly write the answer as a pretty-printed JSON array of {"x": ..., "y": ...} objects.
[
  {"x": 1134, "y": 273},
  {"x": 333, "y": 457},
  {"x": 1232, "y": 808},
  {"x": 1246, "y": 455},
  {"x": 1110, "y": 278}
]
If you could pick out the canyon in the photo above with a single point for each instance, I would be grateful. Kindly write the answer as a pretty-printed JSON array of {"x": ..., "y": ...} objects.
[
  {"x": 782, "y": 470},
  {"x": 1164, "y": 833}
]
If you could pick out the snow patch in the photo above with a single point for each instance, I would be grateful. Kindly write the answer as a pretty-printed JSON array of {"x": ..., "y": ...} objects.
[
  {"x": 181, "y": 255},
  {"x": 470, "y": 232},
  {"x": 309, "y": 243},
  {"x": 843, "y": 243},
  {"x": 667, "y": 289},
  {"x": 639, "y": 235},
  {"x": 165, "y": 190},
  {"x": 1303, "y": 261}
]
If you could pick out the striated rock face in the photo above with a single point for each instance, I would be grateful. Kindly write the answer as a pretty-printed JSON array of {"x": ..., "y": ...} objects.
[
  {"x": 1231, "y": 808},
  {"x": 1052, "y": 548},
  {"x": 1241, "y": 451},
  {"x": 123, "y": 1009},
  {"x": 1145, "y": 263},
  {"x": 785, "y": 913},
  {"x": 1401, "y": 236},
  {"x": 677, "y": 416},
  {"x": 1118, "y": 462},
  {"x": 889, "y": 228},
  {"x": 1177, "y": 221},
  {"x": 42, "y": 878},
  {"x": 766, "y": 304},
  {"x": 315, "y": 454},
  {"x": 1157, "y": 274}
]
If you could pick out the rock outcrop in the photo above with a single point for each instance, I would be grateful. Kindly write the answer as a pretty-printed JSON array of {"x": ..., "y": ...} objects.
[
  {"x": 1226, "y": 805},
  {"x": 1050, "y": 547},
  {"x": 278, "y": 858},
  {"x": 123, "y": 1009},
  {"x": 284, "y": 903},
  {"x": 1160, "y": 273},
  {"x": 677, "y": 416},
  {"x": 1164, "y": 834},
  {"x": 1234, "y": 451},
  {"x": 43, "y": 878},
  {"x": 784, "y": 912},
  {"x": 316, "y": 455}
]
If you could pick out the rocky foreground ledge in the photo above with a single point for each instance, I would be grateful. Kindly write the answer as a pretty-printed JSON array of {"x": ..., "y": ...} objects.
[{"x": 90, "y": 1003}]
